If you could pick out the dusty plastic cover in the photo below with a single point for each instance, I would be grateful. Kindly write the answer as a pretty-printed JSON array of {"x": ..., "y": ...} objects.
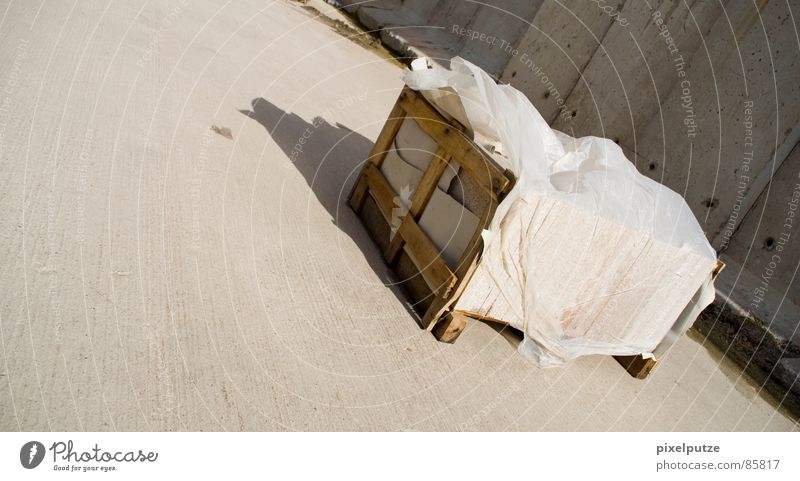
[{"x": 566, "y": 312}]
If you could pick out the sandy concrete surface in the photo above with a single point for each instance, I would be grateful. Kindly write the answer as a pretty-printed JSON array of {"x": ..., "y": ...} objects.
[{"x": 158, "y": 274}]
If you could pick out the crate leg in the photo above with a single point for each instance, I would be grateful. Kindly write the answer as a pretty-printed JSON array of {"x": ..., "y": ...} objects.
[
  {"x": 637, "y": 366},
  {"x": 450, "y": 327}
]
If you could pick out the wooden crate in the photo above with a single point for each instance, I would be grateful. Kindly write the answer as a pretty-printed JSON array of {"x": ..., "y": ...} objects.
[{"x": 429, "y": 282}]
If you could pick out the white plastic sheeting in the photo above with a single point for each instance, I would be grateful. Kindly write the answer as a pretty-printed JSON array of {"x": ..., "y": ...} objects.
[{"x": 585, "y": 255}]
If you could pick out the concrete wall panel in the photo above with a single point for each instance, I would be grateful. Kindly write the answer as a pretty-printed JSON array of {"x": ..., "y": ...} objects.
[
  {"x": 505, "y": 21},
  {"x": 768, "y": 241},
  {"x": 554, "y": 51},
  {"x": 636, "y": 67},
  {"x": 742, "y": 97}
]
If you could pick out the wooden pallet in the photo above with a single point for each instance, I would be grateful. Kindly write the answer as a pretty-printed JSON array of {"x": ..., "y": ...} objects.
[{"x": 430, "y": 284}]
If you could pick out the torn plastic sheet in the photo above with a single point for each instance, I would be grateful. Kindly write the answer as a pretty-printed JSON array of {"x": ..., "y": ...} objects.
[{"x": 585, "y": 255}]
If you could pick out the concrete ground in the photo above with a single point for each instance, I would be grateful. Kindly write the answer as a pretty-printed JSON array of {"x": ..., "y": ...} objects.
[{"x": 158, "y": 274}]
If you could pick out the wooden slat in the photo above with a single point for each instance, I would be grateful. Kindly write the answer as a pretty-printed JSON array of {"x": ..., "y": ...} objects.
[
  {"x": 378, "y": 153},
  {"x": 426, "y": 257},
  {"x": 485, "y": 318},
  {"x": 423, "y": 252},
  {"x": 380, "y": 190},
  {"x": 420, "y": 198},
  {"x": 359, "y": 193},
  {"x": 413, "y": 284},
  {"x": 464, "y": 270},
  {"x": 483, "y": 170},
  {"x": 385, "y": 139},
  {"x": 429, "y": 183}
]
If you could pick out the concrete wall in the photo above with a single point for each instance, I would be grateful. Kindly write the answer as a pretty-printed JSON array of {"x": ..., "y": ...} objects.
[
  {"x": 768, "y": 241},
  {"x": 442, "y": 29},
  {"x": 504, "y": 20},
  {"x": 558, "y": 45}
]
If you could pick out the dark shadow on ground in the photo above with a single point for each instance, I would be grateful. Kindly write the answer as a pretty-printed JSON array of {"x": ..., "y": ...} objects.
[
  {"x": 330, "y": 158},
  {"x": 513, "y": 336}
]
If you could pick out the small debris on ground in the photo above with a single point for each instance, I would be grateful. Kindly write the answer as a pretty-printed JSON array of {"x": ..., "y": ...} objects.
[{"x": 223, "y": 131}]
